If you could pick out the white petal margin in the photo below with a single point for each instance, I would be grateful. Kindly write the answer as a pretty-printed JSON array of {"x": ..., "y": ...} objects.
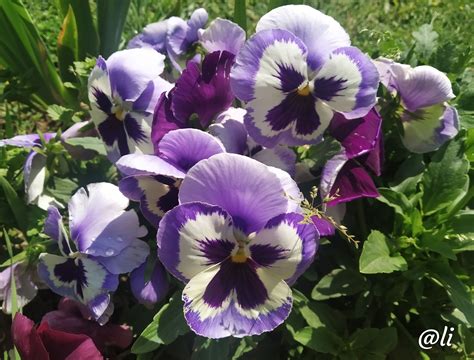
[
  {"x": 187, "y": 231},
  {"x": 293, "y": 241},
  {"x": 230, "y": 319},
  {"x": 319, "y": 32},
  {"x": 35, "y": 175},
  {"x": 98, "y": 80}
]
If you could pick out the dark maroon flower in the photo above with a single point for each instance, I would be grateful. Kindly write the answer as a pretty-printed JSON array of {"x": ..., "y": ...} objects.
[
  {"x": 200, "y": 94},
  {"x": 346, "y": 175}
]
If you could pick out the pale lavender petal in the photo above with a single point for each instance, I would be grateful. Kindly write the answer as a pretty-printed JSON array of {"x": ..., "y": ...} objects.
[
  {"x": 149, "y": 98},
  {"x": 280, "y": 157},
  {"x": 247, "y": 189},
  {"x": 230, "y": 129},
  {"x": 153, "y": 35},
  {"x": 54, "y": 228},
  {"x": 347, "y": 82},
  {"x": 26, "y": 289},
  {"x": 196, "y": 21},
  {"x": 128, "y": 259},
  {"x": 291, "y": 190},
  {"x": 427, "y": 129},
  {"x": 384, "y": 68},
  {"x": 422, "y": 86},
  {"x": 152, "y": 291},
  {"x": 194, "y": 236},
  {"x": 319, "y": 32},
  {"x": 34, "y": 172},
  {"x": 184, "y": 148},
  {"x": 222, "y": 35},
  {"x": 131, "y": 70},
  {"x": 235, "y": 299},
  {"x": 138, "y": 164},
  {"x": 285, "y": 246},
  {"x": 26, "y": 141}
]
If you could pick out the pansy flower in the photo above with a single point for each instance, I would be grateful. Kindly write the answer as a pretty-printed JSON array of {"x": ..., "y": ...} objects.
[
  {"x": 149, "y": 291},
  {"x": 154, "y": 180},
  {"x": 230, "y": 129},
  {"x": 172, "y": 37},
  {"x": 123, "y": 91},
  {"x": 103, "y": 243},
  {"x": 428, "y": 121},
  {"x": 200, "y": 94},
  {"x": 236, "y": 245},
  {"x": 295, "y": 72},
  {"x": 346, "y": 176}
]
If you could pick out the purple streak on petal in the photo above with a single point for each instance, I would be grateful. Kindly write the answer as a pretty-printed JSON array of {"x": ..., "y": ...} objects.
[
  {"x": 186, "y": 147},
  {"x": 164, "y": 119},
  {"x": 357, "y": 136},
  {"x": 239, "y": 277},
  {"x": 215, "y": 250},
  {"x": 69, "y": 272},
  {"x": 152, "y": 291},
  {"x": 112, "y": 130},
  {"x": 102, "y": 100},
  {"x": 328, "y": 88},
  {"x": 266, "y": 254},
  {"x": 134, "y": 130},
  {"x": 204, "y": 92},
  {"x": 222, "y": 35}
]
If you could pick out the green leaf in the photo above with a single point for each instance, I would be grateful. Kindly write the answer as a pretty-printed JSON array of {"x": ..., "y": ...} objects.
[
  {"x": 88, "y": 143},
  {"x": 68, "y": 45},
  {"x": 319, "y": 314},
  {"x": 317, "y": 155},
  {"x": 16, "y": 258},
  {"x": 339, "y": 282},
  {"x": 88, "y": 40},
  {"x": 463, "y": 222},
  {"x": 240, "y": 14},
  {"x": 17, "y": 206},
  {"x": 210, "y": 349},
  {"x": 320, "y": 339},
  {"x": 62, "y": 188},
  {"x": 442, "y": 272},
  {"x": 111, "y": 16},
  {"x": 445, "y": 181},
  {"x": 166, "y": 326},
  {"x": 396, "y": 200},
  {"x": 372, "y": 341},
  {"x": 408, "y": 175},
  {"x": 426, "y": 40},
  {"x": 375, "y": 257},
  {"x": 23, "y": 52},
  {"x": 60, "y": 113}
]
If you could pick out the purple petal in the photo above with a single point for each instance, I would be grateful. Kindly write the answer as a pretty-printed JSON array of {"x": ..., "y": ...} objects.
[
  {"x": 147, "y": 101},
  {"x": 186, "y": 147},
  {"x": 346, "y": 180},
  {"x": 280, "y": 157},
  {"x": 193, "y": 236},
  {"x": 384, "y": 68},
  {"x": 427, "y": 129},
  {"x": 235, "y": 299},
  {"x": 152, "y": 291},
  {"x": 157, "y": 194},
  {"x": 285, "y": 246},
  {"x": 204, "y": 92},
  {"x": 128, "y": 259},
  {"x": 131, "y": 70},
  {"x": 222, "y": 35},
  {"x": 197, "y": 21},
  {"x": 153, "y": 35},
  {"x": 325, "y": 228},
  {"x": 357, "y": 136},
  {"x": 164, "y": 120},
  {"x": 230, "y": 129},
  {"x": 320, "y": 33},
  {"x": 422, "y": 86},
  {"x": 347, "y": 82},
  {"x": 26, "y": 141},
  {"x": 248, "y": 190},
  {"x": 54, "y": 228},
  {"x": 137, "y": 164}
]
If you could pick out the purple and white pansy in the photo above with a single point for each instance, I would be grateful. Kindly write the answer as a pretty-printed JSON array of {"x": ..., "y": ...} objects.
[
  {"x": 428, "y": 121},
  {"x": 236, "y": 245},
  {"x": 123, "y": 91},
  {"x": 295, "y": 72},
  {"x": 172, "y": 37},
  {"x": 154, "y": 180},
  {"x": 103, "y": 243}
]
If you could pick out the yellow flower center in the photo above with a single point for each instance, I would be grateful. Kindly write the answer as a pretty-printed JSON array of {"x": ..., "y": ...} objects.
[
  {"x": 304, "y": 90},
  {"x": 120, "y": 113},
  {"x": 240, "y": 256}
]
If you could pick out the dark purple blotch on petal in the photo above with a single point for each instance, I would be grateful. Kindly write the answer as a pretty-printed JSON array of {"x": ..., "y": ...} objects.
[
  {"x": 327, "y": 88},
  {"x": 215, "y": 251},
  {"x": 241, "y": 278},
  {"x": 266, "y": 255},
  {"x": 290, "y": 79},
  {"x": 69, "y": 271},
  {"x": 295, "y": 108}
]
